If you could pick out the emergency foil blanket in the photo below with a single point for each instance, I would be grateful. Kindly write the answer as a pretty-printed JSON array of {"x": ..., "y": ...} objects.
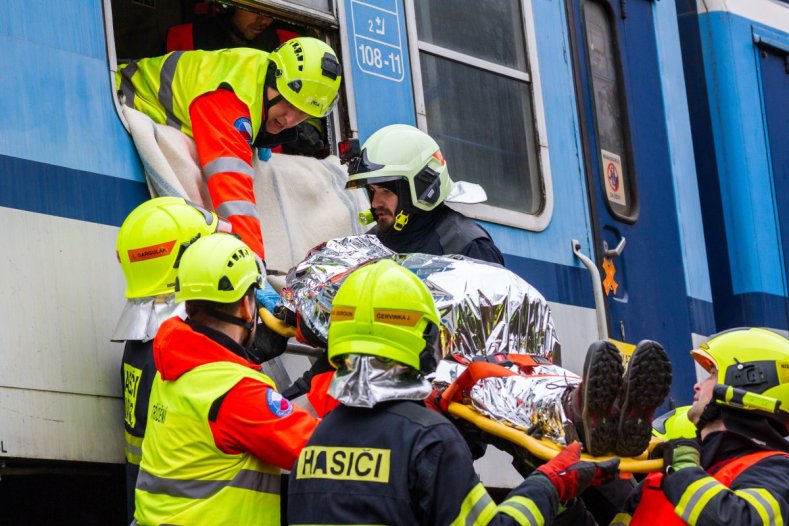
[{"x": 485, "y": 310}]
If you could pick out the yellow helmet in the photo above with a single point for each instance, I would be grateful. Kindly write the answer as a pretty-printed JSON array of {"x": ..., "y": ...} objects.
[
  {"x": 384, "y": 310},
  {"x": 218, "y": 268},
  {"x": 753, "y": 371},
  {"x": 406, "y": 155},
  {"x": 307, "y": 74},
  {"x": 674, "y": 424},
  {"x": 152, "y": 239}
]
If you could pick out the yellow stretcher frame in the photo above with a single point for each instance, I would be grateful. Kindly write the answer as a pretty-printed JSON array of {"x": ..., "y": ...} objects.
[{"x": 543, "y": 448}]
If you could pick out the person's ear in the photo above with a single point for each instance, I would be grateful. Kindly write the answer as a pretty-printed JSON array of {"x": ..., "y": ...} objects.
[{"x": 247, "y": 307}]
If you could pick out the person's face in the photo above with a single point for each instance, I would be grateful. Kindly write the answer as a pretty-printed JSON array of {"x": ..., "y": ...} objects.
[
  {"x": 282, "y": 115},
  {"x": 250, "y": 24},
  {"x": 702, "y": 395},
  {"x": 384, "y": 203}
]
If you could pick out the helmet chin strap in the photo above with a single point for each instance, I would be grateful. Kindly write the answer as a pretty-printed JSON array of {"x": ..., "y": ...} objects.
[
  {"x": 235, "y": 320},
  {"x": 400, "y": 220},
  {"x": 270, "y": 83},
  {"x": 711, "y": 413}
]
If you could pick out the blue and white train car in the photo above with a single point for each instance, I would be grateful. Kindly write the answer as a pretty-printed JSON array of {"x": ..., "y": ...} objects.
[
  {"x": 572, "y": 114},
  {"x": 736, "y": 65}
]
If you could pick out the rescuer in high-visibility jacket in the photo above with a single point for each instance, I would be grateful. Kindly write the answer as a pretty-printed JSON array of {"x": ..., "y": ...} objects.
[
  {"x": 218, "y": 432},
  {"x": 739, "y": 472},
  {"x": 382, "y": 457},
  {"x": 230, "y": 101},
  {"x": 150, "y": 243}
]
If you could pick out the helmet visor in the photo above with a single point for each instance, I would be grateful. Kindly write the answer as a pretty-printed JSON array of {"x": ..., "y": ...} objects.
[
  {"x": 704, "y": 359},
  {"x": 362, "y": 164}
]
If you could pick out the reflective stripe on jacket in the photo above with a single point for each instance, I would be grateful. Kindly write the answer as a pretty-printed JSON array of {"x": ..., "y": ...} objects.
[
  {"x": 164, "y": 87},
  {"x": 655, "y": 508},
  {"x": 184, "y": 478}
]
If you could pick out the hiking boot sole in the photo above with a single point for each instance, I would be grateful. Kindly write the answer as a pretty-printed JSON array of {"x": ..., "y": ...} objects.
[
  {"x": 602, "y": 379},
  {"x": 646, "y": 384}
]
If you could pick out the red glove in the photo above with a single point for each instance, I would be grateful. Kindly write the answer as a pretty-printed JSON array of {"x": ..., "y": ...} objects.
[{"x": 571, "y": 477}]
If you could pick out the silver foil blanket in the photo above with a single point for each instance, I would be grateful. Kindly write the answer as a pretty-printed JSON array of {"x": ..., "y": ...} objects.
[
  {"x": 485, "y": 309},
  {"x": 530, "y": 401}
]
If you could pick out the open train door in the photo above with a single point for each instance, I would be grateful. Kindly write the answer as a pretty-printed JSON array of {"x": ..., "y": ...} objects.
[{"x": 625, "y": 134}]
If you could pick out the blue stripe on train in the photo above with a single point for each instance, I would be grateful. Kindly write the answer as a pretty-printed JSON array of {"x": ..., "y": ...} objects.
[
  {"x": 557, "y": 283},
  {"x": 66, "y": 192},
  {"x": 573, "y": 286},
  {"x": 96, "y": 198}
]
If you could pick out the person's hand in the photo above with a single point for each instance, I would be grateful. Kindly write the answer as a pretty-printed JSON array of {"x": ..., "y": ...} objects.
[
  {"x": 571, "y": 476},
  {"x": 268, "y": 298},
  {"x": 269, "y": 343},
  {"x": 309, "y": 142},
  {"x": 679, "y": 453}
]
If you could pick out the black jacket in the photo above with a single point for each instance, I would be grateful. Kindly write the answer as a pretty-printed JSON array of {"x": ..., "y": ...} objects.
[
  {"x": 442, "y": 231},
  {"x": 400, "y": 463},
  {"x": 729, "y": 505}
]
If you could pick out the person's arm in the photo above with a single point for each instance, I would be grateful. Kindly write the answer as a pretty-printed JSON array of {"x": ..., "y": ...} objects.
[
  {"x": 222, "y": 131},
  {"x": 254, "y": 418},
  {"x": 757, "y": 496},
  {"x": 484, "y": 249},
  {"x": 447, "y": 490}
]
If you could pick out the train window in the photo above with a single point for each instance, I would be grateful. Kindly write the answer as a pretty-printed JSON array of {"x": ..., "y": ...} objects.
[
  {"x": 322, "y": 5},
  {"x": 478, "y": 97},
  {"x": 149, "y": 28},
  {"x": 609, "y": 109}
]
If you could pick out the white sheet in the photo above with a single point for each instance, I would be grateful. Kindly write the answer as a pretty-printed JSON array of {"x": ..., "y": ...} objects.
[{"x": 302, "y": 201}]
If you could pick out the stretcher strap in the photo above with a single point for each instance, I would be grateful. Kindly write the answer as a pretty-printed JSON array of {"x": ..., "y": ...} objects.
[{"x": 473, "y": 373}]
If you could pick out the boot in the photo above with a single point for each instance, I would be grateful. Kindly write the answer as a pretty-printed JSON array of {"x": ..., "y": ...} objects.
[
  {"x": 589, "y": 404},
  {"x": 645, "y": 386}
]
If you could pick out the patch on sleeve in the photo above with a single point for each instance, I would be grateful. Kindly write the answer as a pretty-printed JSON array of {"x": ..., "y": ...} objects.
[
  {"x": 244, "y": 127},
  {"x": 278, "y": 404}
]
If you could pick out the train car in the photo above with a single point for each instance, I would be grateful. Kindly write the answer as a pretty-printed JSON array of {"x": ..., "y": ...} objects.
[
  {"x": 573, "y": 115},
  {"x": 738, "y": 91}
]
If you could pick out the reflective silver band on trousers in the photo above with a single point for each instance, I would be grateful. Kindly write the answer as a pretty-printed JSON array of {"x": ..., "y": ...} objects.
[
  {"x": 238, "y": 208},
  {"x": 202, "y": 489},
  {"x": 227, "y": 164},
  {"x": 166, "y": 76}
]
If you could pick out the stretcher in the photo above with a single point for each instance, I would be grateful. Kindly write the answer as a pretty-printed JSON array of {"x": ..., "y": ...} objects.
[{"x": 452, "y": 402}]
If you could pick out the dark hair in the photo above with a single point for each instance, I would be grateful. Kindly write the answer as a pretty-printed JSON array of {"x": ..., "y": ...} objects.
[{"x": 194, "y": 307}]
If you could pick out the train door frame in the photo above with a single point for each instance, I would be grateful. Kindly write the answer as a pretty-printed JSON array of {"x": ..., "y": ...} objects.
[
  {"x": 773, "y": 71},
  {"x": 648, "y": 273}
]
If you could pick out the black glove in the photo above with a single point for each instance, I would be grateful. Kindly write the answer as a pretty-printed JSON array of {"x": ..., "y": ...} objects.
[
  {"x": 268, "y": 344},
  {"x": 302, "y": 385},
  {"x": 309, "y": 144},
  {"x": 678, "y": 453}
]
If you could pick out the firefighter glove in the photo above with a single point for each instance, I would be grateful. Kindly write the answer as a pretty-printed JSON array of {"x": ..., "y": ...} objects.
[
  {"x": 679, "y": 453},
  {"x": 309, "y": 143},
  {"x": 571, "y": 476}
]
